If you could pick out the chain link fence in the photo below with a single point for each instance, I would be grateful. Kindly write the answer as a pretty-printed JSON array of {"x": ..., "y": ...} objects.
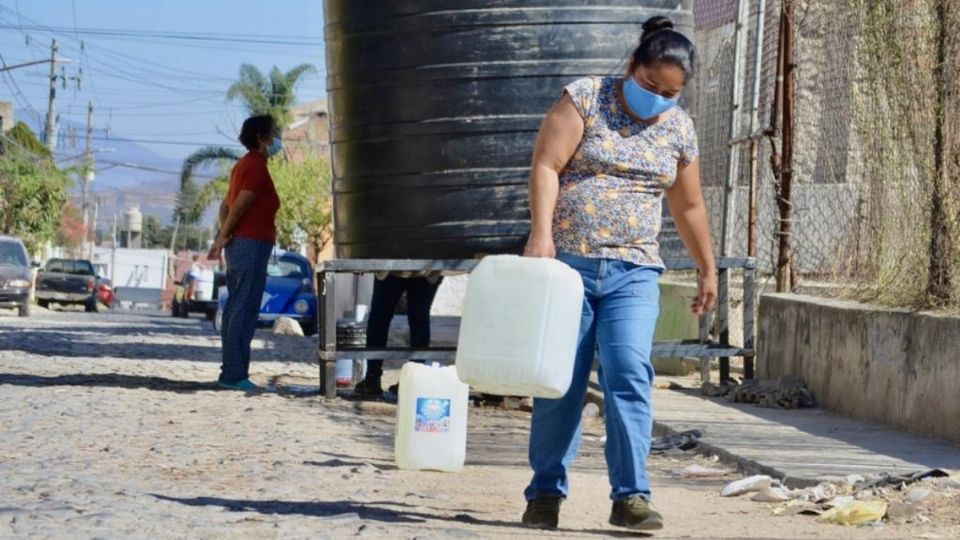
[{"x": 875, "y": 205}]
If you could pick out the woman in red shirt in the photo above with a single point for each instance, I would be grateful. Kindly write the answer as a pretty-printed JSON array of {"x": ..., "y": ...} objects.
[{"x": 247, "y": 235}]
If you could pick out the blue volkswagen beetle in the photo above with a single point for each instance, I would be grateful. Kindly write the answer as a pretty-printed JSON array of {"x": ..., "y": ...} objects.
[{"x": 289, "y": 293}]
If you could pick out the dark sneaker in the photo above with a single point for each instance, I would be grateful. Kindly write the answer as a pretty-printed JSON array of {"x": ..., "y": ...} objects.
[
  {"x": 369, "y": 388},
  {"x": 394, "y": 389},
  {"x": 542, "y": 513},
  {"x": 635, "y": 513}
]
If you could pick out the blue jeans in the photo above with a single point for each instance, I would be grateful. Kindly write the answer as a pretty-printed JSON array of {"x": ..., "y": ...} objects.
[
  {"x": 620, "y": 307},
  {"x": 247, "y": 261}
]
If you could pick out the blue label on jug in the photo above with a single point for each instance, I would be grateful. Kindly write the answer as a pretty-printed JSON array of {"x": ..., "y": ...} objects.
[{"x": 433, "y": 415}]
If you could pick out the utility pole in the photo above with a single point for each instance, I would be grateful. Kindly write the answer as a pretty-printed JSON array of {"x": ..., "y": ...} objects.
[
  {"x": 51, "y": 127},
  {"x": 96, "y": 212},
  {"x": 172, "y": 267},
  {"x": 113, "y": 252},
  {"x": 173, "y": 237},
  {"x": 88, "y": 165}
]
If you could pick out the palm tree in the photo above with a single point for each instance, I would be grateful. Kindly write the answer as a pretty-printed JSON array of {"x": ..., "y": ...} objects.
[
  {"x": 271, "y": 95},
  {"x": 192, "y": 200}
]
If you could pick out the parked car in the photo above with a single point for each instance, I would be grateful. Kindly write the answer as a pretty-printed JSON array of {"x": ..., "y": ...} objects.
[
  {"x": 197, "y": 292},
  {"x": 68, "y": 281},
  {"x": 289, "y": 292},
  {"x": 16, "y": 280}
]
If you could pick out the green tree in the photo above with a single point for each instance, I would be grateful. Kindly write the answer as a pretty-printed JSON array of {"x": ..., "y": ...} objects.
[
  {"x": 306, "y": 207},
  {"x": 155, "y": 235},
  {"x": 273, "y": 95},
  {"x": 33, "y": 190},
  {"x": 23, "y": 139}
]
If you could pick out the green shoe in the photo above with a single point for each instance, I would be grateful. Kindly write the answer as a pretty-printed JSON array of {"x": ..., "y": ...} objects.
[
  {"x": 246, "y": 385},
  {"x": 542, "y": 513},
  {"x": 635, "y": 513}
]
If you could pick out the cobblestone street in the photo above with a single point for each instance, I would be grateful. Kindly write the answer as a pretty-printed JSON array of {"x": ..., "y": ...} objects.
[{"x": 112, "y": 428}]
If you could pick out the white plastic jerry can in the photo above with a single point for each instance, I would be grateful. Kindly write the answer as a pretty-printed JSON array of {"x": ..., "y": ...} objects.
[
  {"x": 431, "y": 418},
  {"x": 520, "y": 324}
]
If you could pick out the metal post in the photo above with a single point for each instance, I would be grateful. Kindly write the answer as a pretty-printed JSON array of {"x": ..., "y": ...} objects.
[
  {"x": 328, "y": 334},
  {"x": 705, "y": 337},
  {"x": 754, "y": 125},
  {"x": 733, "y": 158},
  {"x": 749, "y": 319},
  {"x": 113, "y": 253},
  {"x": 723, "y": 321},
  {"x": 96, "y": 216},
  {"x": 88, "y": 170},
  {"x": 705, "y": 362}
]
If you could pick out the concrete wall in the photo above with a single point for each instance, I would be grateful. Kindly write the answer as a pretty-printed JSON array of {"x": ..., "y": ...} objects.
[{"x": 891, "y": 366}]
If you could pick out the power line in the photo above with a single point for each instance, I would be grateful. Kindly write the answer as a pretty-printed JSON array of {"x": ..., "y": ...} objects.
[
  {"x": 136, "y": 166},
  {"x": 182, "y": 36},
  {"x": 20, "y": 97},
  {"x": 152, "y": 141}
]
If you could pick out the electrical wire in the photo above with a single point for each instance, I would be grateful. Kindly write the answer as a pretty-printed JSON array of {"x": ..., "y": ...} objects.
[{"x": 258, "y": 39}]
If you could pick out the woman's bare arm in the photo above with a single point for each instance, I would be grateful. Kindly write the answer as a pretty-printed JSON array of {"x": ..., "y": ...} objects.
[
  {"x": 689, "y": 212},
  {"x": 558, "y": 139}
]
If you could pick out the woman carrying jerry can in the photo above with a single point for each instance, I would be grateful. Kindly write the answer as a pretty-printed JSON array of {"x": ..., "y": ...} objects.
[{"x": 606, "y": 154}]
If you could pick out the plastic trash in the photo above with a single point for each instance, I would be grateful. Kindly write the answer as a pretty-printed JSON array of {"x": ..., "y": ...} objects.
[
  {"x": 746, "y": 485},
  {"x": 773, "y": 493},
  {"x": 838, "y": 501},
  {"x": 855, "y": 513},
  {"x": 683, "y": 441},
  {"x": 916, "y": 495},
  {"x": 699, "y": 471},
  {"x": 901, "y": 512},
  {"x": 818, "y": 493},
  {"x": 949, "y": 483},
  {"x": 886, "y": 479},
  {"x": 853, "y": 479}
]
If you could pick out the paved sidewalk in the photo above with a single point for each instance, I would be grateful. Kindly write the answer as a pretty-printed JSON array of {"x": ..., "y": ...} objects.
[{"x": 802, "y": 446}]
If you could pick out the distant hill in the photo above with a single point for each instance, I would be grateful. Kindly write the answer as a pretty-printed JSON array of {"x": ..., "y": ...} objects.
[{"x": 127, "y": 174}]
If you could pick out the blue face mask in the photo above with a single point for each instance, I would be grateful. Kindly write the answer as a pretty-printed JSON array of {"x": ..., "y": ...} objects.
[
  {"x": 275, "y": 147},
  {"x": 643, "y": 102}
]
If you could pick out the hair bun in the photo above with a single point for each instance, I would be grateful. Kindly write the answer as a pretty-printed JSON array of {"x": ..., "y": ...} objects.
[{"x": 656, "y": 24}]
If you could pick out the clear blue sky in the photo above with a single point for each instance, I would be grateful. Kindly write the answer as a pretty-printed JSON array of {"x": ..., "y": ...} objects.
[{"x": 162, "y": 72}]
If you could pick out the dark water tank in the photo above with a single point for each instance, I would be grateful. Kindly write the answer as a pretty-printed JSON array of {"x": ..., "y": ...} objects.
[{"x": 435, "y": 105}]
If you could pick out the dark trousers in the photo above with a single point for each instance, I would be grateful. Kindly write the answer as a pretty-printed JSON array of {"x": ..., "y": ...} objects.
[
  {"x": 386, "y": 295},
  {"x": 247, "y": 261}
]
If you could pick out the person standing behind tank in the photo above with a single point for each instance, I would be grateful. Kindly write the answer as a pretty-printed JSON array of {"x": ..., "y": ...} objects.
[
  {"x": 606, "y": 153},
  {"x": 247, "y": 235},
  {"x": 389, "y": 287}
]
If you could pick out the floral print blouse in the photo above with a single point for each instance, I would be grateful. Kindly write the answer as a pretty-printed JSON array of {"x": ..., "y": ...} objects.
[{"x": 610, "y": 193}]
